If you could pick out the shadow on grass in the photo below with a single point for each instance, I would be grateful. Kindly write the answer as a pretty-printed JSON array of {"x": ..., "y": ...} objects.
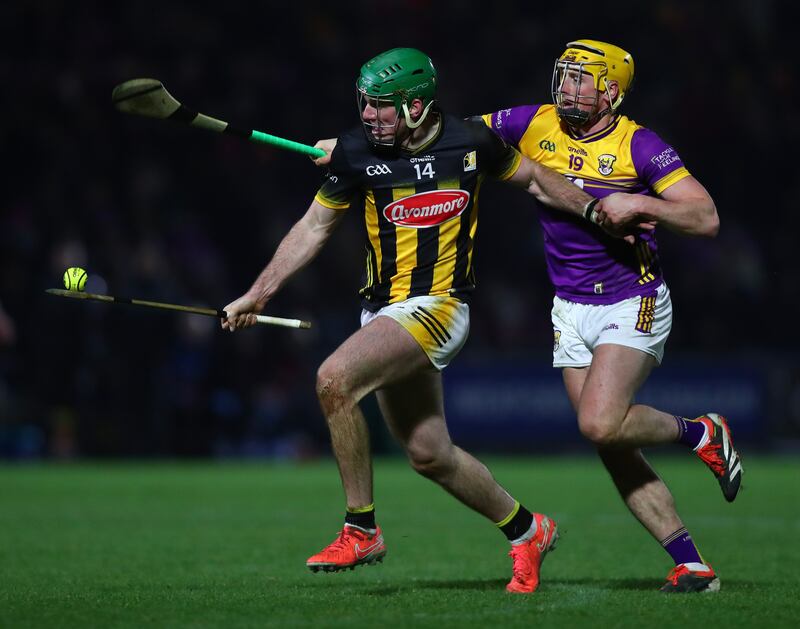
[
  {"x": 654, "y": 584},
  {"x": 498, "y": 585},
  {"x": 609, "y": 584},
  {"x": 487, "y": 585},
  {"x": 461, "y": 584}
]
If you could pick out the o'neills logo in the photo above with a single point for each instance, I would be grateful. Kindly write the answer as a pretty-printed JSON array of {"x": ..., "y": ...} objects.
[{"x": 427, "y": 209}]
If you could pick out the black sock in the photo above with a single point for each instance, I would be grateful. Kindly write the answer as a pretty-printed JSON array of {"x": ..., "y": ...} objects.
[
  {"x": 517, "y": 523},
  {"x": 362, "y": 518}
]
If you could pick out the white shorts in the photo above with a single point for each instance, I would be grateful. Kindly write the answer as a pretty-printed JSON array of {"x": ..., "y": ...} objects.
[
  {"x": 439, "y": 324},
  {"x": 642, "y": 323}
]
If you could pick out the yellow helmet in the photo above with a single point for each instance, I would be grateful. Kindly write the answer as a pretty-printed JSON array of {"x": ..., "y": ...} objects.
[{"x": 605, "y": 63}]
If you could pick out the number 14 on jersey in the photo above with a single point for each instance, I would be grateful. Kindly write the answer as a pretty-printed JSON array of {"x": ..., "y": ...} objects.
[{"x": 426, "y": 170}]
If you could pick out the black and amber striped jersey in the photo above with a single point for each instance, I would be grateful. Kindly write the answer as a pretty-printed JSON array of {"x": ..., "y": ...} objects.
[{"x": 420, "y": 208}]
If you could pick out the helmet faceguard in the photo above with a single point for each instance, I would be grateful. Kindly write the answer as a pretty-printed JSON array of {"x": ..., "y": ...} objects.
[
  {"x": 394, "y": 79},
  {"x": 381, "y": 128},
  {"x": 588, "y": 62}
]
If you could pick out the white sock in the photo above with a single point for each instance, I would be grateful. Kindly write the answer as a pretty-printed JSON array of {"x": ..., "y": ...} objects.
[
  {"x": 697, "y": 567},
  {"x": 526, "y": 535}
]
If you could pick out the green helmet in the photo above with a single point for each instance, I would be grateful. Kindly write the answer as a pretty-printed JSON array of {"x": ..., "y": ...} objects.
[{"x": 397, "y": 77}]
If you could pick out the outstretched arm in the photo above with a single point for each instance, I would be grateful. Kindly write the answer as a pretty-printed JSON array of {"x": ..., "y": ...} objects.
[
  {"x": 685, "y": 208},
  {"x": 550, "y": 187},
  {"x": 298, "y": 248}
]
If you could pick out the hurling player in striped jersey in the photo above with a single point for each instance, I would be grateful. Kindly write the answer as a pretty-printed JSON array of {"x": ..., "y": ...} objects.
[
  {"x": 412, "y": 173},
  {"x": 612, "y": 311}
]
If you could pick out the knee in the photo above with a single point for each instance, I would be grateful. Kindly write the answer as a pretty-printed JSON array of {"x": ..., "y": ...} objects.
[
  {"x": 431, "y": 461},
  {"x": 600, "y": 430},
  {"x": 333, "y": 389}
]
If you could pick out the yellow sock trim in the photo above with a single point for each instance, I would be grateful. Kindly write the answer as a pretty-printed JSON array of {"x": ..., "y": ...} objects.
[
  {"x": 510, "y": 516},
  {"x": 367, "y": 509}
]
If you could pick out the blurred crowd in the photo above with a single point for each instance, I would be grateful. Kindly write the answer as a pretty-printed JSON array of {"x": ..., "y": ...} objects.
[{"x": 163, "y": 212}]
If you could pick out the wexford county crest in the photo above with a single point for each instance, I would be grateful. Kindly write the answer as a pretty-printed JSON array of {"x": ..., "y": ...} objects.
[
  {"x": 605, "y": 164},
  {"x": 556, "y": 339}
]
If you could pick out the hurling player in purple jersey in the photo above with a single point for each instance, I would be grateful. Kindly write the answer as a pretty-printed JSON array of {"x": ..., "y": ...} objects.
[{"x": 612, "y": 311}]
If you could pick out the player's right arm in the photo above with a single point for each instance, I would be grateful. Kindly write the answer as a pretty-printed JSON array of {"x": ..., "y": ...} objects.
[
  {"x": 301, "y": 245},
  {"x": 544, "y": 183},
  {"x": 550, "y": 188},
  {"x": 547, "y": 185}
]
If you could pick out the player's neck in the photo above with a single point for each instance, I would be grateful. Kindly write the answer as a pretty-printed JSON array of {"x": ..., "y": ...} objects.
[
  {"x": 601, "y": 124},
  {"x": 423, "y": 134}
]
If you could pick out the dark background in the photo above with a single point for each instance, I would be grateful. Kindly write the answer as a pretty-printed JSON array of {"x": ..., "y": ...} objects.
[{"x": 163, "y": 212}]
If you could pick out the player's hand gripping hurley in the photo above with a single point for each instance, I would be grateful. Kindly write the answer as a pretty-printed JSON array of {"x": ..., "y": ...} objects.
[
  {"x": 149, "y": 97},
  {"x": 210, "y": 312}
]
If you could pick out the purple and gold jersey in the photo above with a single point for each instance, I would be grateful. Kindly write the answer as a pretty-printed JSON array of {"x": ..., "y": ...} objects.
[{"x": 584, "y": 263}]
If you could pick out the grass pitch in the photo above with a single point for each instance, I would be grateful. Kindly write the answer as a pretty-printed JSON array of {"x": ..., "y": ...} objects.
[{"x": 224, "y": 545}]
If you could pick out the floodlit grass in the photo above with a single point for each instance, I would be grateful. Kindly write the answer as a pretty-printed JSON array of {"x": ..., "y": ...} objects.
[{"x": 224, "y": 545}]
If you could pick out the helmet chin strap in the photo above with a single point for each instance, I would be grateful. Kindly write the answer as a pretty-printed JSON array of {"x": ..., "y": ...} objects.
[{"x": 407, "y": 114}]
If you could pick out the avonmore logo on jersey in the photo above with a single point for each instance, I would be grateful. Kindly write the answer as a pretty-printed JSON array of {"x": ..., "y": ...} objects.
[{"x": 427, "y": 209}]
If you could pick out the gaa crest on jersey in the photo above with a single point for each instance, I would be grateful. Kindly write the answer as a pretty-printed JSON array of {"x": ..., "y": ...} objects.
[
  {"x": 470, "y": 161},
  {"x": 605, "y": 164},
  {"x": 427, "y": 209},
  {"x": 378, "y": 169}
]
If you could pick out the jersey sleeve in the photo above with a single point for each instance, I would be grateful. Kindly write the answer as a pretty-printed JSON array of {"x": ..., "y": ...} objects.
[
  {"x": 496, "y": 158},
  {"x": 656, "y": 162},
  {"x": 341, "y": 183},
  {"x": 511, "y": 124}
]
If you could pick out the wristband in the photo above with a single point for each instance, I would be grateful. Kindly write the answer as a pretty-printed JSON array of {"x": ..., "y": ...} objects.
[{"x": 588, "y": 211}]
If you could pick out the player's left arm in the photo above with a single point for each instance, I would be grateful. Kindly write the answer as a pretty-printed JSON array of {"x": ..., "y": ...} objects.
[
  {"x": 682, "y": 203},
  {"x": 685, "y": 207},
  {"x": 326, "y": 145}
]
